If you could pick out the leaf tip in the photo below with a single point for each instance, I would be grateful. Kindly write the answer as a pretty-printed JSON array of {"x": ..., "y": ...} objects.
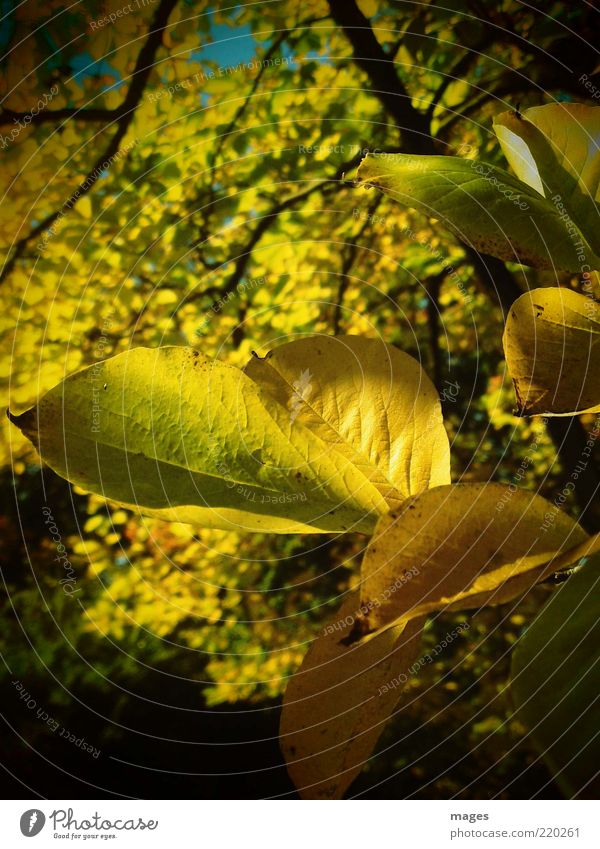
[
  {"x": 26, "y": 422},
  {"x": 362, "y": 176},
  {"x": 524, "y": 407}
]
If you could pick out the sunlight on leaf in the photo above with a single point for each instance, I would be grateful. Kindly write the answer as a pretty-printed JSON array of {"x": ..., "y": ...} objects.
[
  {"x": 571, "y": 132},
  {"x": 458, "y": 547},
  {"x": 368, "y": 401},
  {"x": 186, "y": 438},
  {"x": 484, "y": 206},
  {"x": 450, "y": 548},
  {"x": 554, "y": 149}
]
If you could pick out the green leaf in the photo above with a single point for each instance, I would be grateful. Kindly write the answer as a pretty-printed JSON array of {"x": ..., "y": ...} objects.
[
  {"x": 484, "y": 206},
  {"x": 458, "y": 547},
  {"x": 370, "y": 402},
  {"x": 554, "y": 149},
  {"x": 337, "y": 704},
  {"x": 176, "y": 435},
  {"x": 554, "y": 681},
  {"x": 552, "y": 348}
]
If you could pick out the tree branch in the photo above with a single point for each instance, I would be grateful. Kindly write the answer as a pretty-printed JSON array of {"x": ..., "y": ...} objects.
[
  {"x": 348, "y": 262},
  {"x": 232, "y": 127},
  {"x": 570, "y": 438},
  {"x": 47, "y": 116},
  {"x": 139, "y": 79},
  {"x": 456, "y": 72},
  {"x": 370, "y": 57},
  {"x": 264, "y": 223},
  {"x": 433, "y": 286}
]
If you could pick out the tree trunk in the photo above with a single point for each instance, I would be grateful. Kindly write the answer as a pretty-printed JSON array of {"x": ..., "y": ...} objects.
[{"x": 568, "y": 434}]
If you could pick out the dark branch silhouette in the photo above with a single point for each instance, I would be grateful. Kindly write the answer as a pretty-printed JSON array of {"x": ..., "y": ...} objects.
[{"x": 126, "y": 114}]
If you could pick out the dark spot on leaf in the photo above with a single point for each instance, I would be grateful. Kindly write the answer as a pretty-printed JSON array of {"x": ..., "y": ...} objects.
[{"x": 359, "y": 629}]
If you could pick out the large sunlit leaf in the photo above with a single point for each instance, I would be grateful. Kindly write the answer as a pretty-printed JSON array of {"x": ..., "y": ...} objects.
[
  {"x": 338, "y": 702},
  {"x": 465, "y": 556},
  {"x": 185, "y": 438},
  {"x": 458, "y": 547},
  {"x": 368, "y": 401},
  {"x": 552, "y": 349},
  {"x": 485, "y": 206},
  {"x": 556, "y": 150},
  {"x": 555, "y": 681}
]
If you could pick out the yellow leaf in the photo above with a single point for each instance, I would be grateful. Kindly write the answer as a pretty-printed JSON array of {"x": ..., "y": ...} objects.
[
  {"x": 370, "y": 402},
  {"x": 461, "y": 546},
  {"x": 189, "y": 439},
  {"x": 485, "y": 206},
  {"x": 554, "y": 149},
  {"x": 336, "y": 705},
  {"x": 93, "y": 523},
  {"x": 369, "y": 7},
  {"x": 165, "y": 296},
  {"x": 571, "y": 130},
  {"x": 84, "y": 206},
  {"x": 552, "y": 349}
]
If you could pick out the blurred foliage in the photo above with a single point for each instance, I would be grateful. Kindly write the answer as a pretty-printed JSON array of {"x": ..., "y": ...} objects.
[{"x": 213, "y": 185}]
